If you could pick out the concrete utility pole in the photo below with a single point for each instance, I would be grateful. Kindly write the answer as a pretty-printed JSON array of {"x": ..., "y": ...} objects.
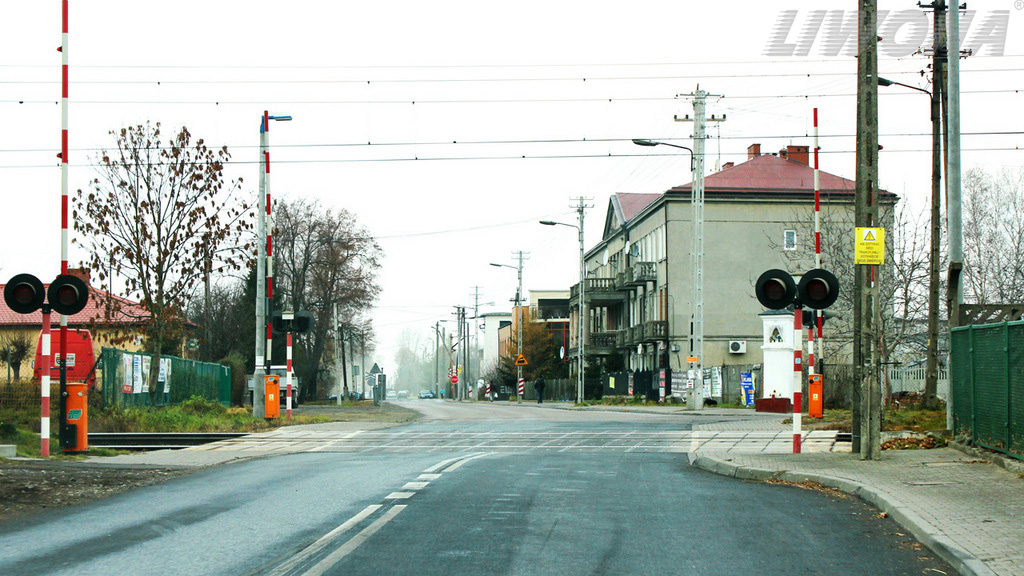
[
  {"x": 258, "y": 373},
  {"x": 697, "y": 254},
  {"x": 866, "y": 390},
  {"x": 954, "y": 225},
  {"x": 581, "y": 369},
  {"x": 519, "y": 333},
  {"x": 460, "y": 313}
]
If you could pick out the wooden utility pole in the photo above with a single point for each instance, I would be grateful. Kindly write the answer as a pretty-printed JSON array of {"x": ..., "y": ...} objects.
[
  {"x": 931, "y": 374},
  {"x": 866, "y": 389}
]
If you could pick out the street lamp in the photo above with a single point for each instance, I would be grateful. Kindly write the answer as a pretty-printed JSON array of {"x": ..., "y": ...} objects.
[
  {"x": 581, "y": 321},
  {"x": 697, "y": 202},
  {"x": 264, "y": 268},
  {"x": 519, "y": 311},
  {"x": 931, "y": 373}
]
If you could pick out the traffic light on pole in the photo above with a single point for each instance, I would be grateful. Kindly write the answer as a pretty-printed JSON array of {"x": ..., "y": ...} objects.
[
  {"x": 776, "y": 289},
  {"x": 68, "y": 294},
  {"x": 24, "y": 294},
  {"x": 818, "y": 289}
]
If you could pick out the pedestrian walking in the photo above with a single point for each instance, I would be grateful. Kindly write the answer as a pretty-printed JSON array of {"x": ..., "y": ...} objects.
[{"x": 538, "y": 387}]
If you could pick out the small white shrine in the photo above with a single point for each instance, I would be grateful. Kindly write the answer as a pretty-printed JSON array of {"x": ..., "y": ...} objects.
[{"x": 777, "y": 374}]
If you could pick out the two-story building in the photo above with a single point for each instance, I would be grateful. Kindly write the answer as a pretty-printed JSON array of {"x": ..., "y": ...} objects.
[{"x": 639, "y": 296}]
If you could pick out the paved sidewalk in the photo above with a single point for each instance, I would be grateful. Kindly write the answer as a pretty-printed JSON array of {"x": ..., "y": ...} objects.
[{"x": 968, "y": 511}]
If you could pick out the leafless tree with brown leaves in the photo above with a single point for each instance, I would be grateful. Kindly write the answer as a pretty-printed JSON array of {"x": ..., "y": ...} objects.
[{"x": 151, "y": 217}]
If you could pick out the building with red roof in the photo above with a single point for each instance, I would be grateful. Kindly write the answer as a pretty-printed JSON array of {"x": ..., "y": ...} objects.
[
  {"x": 758, "y": 215},
  {"x": 112, "y": 320}
]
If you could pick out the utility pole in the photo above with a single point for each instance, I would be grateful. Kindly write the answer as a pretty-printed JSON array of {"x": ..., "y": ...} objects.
[
  {"x": 460, "y": 313},
  {"x": 866, "y": 391},
  {"x": 258, "y": 372},
  {"x": 954, "y": 225},
  {"x": 581, "y": 206},
  {"x": 931, "y": 374},
  {"x": 476, "y": 333},
  {"x": 697, "y": 253},
  {"x": 337, "y": 369},
  {"x": 437, "y": 352}
]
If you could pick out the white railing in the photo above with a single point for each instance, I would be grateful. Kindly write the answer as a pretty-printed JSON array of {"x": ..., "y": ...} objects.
[{"x": 911, "y": 379}]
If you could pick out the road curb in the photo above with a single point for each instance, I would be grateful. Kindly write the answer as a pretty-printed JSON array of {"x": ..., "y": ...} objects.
[{"x": 966, "y": 564}]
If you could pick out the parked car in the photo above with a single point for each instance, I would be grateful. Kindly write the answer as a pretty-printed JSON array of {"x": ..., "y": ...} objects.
[{"x": 427, "y": 394}]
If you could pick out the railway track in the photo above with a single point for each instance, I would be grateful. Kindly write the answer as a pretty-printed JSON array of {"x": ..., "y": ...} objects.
[{"x": 157, "y": 440}]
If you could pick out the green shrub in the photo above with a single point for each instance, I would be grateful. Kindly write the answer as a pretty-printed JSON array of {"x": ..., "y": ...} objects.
[{"x": 238, "y": 387}]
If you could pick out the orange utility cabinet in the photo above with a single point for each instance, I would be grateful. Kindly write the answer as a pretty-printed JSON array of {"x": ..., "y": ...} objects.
[
  {"x": 75, "y": 431},
  {"x": 271, "y": 391},
  {"x": 815, "y": 397}
]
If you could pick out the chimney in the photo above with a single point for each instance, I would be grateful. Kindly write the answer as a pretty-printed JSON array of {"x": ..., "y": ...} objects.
[
  {"x": 798, "y": 153},
  {"x": 753, "y": 151},
  {"x": 727, "y": 165},
  {"x": 82, "y": 273},
  {"x": 783, "y": 153}
]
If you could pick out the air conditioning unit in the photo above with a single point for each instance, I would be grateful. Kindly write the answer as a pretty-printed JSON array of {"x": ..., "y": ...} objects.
[{"x": 737, "y": 346}]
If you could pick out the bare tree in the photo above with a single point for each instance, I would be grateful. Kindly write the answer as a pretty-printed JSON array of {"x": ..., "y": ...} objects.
[
  {"x": 993, "y": 229},
  {"x": 323, "y": 258},
  {"x": 903, "y": 288},
  {"x": 154, "y": 214}
]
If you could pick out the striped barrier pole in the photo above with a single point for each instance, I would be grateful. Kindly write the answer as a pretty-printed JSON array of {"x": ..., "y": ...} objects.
[
  {"x": 797, "y": 377},
  {"x": 44, "y": 424},
  {"x": 288, "y": 405}
]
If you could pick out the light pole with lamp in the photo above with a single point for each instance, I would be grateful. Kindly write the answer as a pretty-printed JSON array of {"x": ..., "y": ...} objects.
[
  {"x": 931, "y": 372},
  {"x": 519, "y": 311},
  {"x": 581, "y": 322},
  {"x": 697, "y": 326},
  {"x": 264, "y": 268}
]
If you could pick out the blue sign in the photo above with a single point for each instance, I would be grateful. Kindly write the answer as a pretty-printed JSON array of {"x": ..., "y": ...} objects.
[{"x": 747, "y": 383}]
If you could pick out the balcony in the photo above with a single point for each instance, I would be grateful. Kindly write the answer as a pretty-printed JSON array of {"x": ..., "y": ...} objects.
[
  {"x": 653, "y": 331},
  {"x": 638, "y": 274},
  {"x": 601, "y": 342},
  {"x": 600, "y": 292}
]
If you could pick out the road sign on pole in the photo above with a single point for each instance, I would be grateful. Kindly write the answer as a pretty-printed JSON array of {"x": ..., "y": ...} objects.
[{"x": 521, "y": 360}]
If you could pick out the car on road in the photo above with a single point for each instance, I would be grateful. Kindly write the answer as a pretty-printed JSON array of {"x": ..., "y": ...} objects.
[{"x": 427, "y": 394}]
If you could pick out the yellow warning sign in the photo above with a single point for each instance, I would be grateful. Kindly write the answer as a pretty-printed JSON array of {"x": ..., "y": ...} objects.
[
  {"x": 521, "y": 361},
  {"x": 869, "y": 246}
]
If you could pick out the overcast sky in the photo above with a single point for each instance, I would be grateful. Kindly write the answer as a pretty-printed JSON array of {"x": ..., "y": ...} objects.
[{"x": 483, "y": 117}]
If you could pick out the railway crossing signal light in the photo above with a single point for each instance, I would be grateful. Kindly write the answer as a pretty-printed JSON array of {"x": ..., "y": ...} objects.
[
  {"x": 776, "y": 289},
  {"x": 818, "y": 289},
  {"x": 67, "y": 294},
  {"x": 24, "y": 294}
]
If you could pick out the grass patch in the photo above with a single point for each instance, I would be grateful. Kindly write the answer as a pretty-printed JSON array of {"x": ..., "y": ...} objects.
[
  {"x": 193, "y": 415},
  {"x": 914, "y": 418}
]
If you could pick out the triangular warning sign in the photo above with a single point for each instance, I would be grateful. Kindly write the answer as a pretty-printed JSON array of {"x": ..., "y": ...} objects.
[
  {"x": 869, "y": 235},
  {"x": 521, "y": 361}
]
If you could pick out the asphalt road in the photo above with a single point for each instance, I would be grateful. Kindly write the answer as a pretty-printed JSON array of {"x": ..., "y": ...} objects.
[{"x": 524, "y": 509}]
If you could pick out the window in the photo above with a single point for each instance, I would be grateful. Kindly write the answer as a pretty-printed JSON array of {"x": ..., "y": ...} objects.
[{"x": 789, "y": 240}]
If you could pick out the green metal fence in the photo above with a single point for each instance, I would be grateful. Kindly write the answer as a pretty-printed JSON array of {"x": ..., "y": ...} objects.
[
  {"x": 125, "y": 378},
  {"x": 987, "y": 379}
]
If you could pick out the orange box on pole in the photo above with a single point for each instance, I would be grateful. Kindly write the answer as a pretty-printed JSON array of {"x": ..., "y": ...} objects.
[
  {"x": 77, "y": 405},
  {"x": 271, "y": 396},
  {"x": 816, "y": 402}
]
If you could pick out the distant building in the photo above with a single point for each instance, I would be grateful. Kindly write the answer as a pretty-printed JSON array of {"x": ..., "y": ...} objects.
[{"x": 639, "y": 276}]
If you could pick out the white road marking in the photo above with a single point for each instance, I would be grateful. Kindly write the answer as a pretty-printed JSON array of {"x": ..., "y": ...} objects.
[
  {"x": 320, "y": 544},
  {"x": 334, "y": 557},
  {"x": 399, "y": 495}
]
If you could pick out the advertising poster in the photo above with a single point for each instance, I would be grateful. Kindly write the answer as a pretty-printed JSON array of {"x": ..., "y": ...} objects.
[
  {"x": 127, "y": 374},
  {"x": 747, "y": 384},
  {"x": 137, "y": 384}
]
